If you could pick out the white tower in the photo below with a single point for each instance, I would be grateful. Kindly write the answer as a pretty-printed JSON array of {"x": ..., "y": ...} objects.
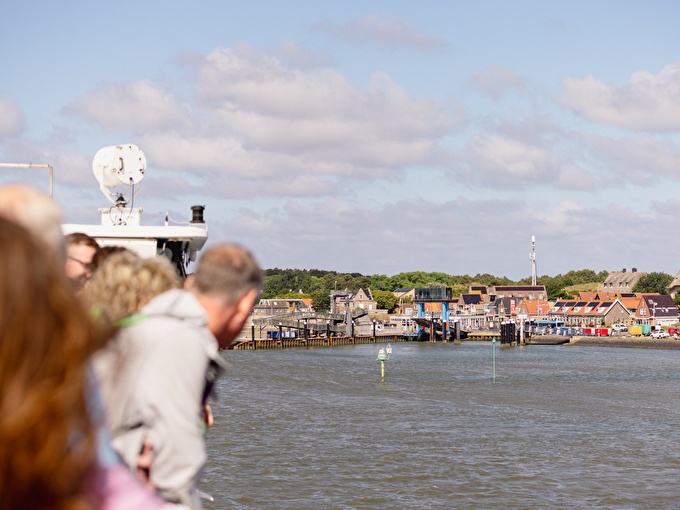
[{"x": 532, "y": 258}]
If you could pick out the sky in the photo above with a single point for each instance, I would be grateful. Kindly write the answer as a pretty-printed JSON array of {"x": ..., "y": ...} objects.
[{"x": 374, "y": 137}]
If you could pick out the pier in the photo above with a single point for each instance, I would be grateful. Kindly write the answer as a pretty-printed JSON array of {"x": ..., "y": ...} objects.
[{"x": 321, "y": 341}]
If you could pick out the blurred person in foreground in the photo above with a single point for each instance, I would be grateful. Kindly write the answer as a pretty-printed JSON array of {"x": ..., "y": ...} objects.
[
  {"x": 36, "y": 211},
  {"x": 52, "y": 453},
  {"x": 80, "y": 250},
  {"x": 162, "y": 365}
]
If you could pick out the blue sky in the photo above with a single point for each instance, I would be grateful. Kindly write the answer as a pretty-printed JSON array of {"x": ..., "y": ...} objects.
[{"x": 370, "y": 137}]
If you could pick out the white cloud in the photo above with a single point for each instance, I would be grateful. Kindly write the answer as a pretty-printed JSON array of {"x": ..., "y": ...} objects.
[
  {"x": 460, "y": 236},
  {"x": 130, "y": 106},
  {"x": 497, "y": 160},
  {"x": 298, "y": 56},
  {"x": 639, "y": 160},
  {"x": 11, "y": 117},
  {"x": 646, "y": 103},
  {"x": 383, "y": 30},
  {"x": 495, "y": 81},
  {"x": 259, "y": 119},
  {"x": 70, "y": 168}
]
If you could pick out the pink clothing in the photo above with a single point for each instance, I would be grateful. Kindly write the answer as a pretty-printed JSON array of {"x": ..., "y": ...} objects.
[{"x": 122, "y": 491}]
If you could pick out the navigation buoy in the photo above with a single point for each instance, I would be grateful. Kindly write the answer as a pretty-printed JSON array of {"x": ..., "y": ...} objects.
[
  {"x": 493, "y": 349},
  {"x": 382, "y": 357}
]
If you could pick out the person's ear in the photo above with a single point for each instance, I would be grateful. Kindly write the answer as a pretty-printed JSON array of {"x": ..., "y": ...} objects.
[{"x": 245, "y": 304}]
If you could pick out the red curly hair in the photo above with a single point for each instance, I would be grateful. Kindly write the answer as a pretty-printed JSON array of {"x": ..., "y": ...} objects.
[{"x": 47, "y": 438}]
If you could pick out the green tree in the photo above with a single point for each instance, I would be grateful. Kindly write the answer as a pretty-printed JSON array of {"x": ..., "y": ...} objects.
[
  {"x": 385, "y": 299},
  {"x": 653, "y": 282},
  {"x": 274, "y": 285},
  {"x": 321, "y": 300},
  {"x": 380, "y": 282}
]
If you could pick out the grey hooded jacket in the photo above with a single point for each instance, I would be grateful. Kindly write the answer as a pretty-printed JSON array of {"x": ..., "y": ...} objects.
[{"x": 153, "y": 378}]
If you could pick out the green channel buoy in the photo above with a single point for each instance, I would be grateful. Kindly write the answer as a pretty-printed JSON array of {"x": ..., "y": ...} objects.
[
  {"x": 493, "y": 350},
  {"x": 382, "y": 357}
]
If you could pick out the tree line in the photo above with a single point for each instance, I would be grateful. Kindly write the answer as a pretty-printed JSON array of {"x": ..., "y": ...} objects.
[{"x": 317, "y": 284}]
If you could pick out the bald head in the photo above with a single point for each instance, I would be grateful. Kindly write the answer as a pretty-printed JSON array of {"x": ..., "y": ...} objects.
[
  {"x": 228, "y": 271},
  {"x": 35, "y": 211},
  {"x": 226, "y": 284}
]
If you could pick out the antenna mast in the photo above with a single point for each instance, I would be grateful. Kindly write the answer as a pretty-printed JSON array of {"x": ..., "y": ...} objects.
[{"x": 532, "y": 258}]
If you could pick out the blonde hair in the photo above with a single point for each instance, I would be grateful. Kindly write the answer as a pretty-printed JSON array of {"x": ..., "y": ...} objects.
[{"x": 125, "y": 282}]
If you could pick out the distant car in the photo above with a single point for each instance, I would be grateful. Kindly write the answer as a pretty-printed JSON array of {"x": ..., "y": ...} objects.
[
  {"x": 673, "y": 331},
  {"x": 620, "y": 327},
  {"x": 660, "y": 334}
]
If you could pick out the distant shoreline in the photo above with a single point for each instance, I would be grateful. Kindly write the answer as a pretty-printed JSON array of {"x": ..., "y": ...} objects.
[{"x": 626, "y": 341}]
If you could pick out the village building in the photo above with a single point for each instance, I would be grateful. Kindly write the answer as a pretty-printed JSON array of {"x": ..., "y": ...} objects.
[
  {"x": 674, "y": 286},
  {"x": 342, "y": 300},
  {"x": 589, "y": 313},
  {"x": 282, "y": 306},
  {"x": 621, "y": 281},
  {"x": 519, "y": 291},
  {"x": 534, "y": 309},
  {"x": 657, "y": 310}
]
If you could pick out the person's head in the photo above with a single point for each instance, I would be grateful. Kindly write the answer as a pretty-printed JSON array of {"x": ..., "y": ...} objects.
[
  {"x": 35, "y": 211},
  {"x": 47, "y": 440},
  {"x": 80, "y": 250},
  {"x": 226, "y": 283},
  {"x": 124, "y": 282},
  {"x": 103, "y": 253}
]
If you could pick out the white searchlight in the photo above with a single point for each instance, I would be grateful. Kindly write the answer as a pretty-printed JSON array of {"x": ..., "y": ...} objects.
[
  {"x": 119, "y": 169},
  {"x": 119, "y": 165}
]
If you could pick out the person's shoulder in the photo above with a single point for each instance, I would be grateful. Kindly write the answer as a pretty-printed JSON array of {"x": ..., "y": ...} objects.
[{"x": 176, "y": 304}]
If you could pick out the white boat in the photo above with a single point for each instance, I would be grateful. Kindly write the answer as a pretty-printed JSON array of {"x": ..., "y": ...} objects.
[{"x": 124, "y": 166}]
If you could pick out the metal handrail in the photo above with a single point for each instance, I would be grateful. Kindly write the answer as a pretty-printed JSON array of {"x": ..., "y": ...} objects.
[{"x": 33, "y": 165}]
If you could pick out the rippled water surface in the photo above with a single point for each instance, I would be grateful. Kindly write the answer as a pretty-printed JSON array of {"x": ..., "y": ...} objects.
[{"x": 561, "y": 427}]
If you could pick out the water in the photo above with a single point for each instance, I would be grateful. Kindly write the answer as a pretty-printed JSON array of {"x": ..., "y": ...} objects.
[{"x": 562, "y": 427}]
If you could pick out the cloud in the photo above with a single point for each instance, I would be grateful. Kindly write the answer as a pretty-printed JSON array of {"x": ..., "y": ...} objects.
[
  {"x": 70, "y": 168},
  {"x": 646, "y": 103},
  {"x": 130, "y": 106},
  {"x": 257, "y": 119},
  {"x": 495, "y": 81},
  {"x": 639, "y": 160},
  {"x": 11, "y": 118},
  {"x": 499, "y": 160},
  {"x": 459, "y": 236},
  {"x": 298, "y": 56},
  {"x": 382, "y": 30}
]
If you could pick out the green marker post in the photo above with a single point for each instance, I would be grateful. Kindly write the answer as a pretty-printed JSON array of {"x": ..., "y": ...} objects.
[
  {"x": 493, "y": 350},
  {"x": 382, "y": 357}
]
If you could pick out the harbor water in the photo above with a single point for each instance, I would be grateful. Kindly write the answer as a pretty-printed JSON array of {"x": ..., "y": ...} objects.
[{"x": 561, "y": 427}]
